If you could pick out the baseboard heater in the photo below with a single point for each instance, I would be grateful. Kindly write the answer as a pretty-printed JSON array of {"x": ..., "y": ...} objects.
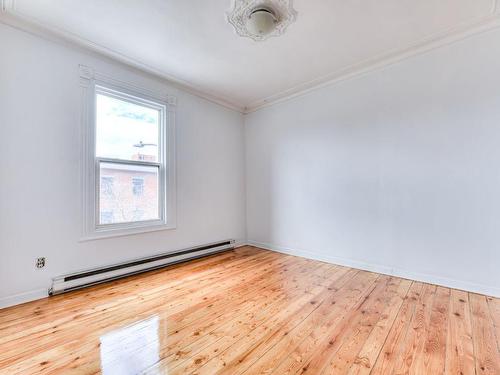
[{"x": 83, "y": 279}]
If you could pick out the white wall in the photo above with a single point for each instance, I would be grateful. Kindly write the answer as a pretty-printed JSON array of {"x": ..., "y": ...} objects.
[
  {"x": 39, "y": 168},
  {"x": 396, "y": 171}
]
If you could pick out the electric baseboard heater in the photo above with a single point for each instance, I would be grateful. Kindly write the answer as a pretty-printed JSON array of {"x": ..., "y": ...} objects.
[{"x": 83, "y": 279}]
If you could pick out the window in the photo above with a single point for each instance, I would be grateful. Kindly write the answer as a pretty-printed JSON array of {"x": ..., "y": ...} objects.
[
  {"x": 128, "y": 143},
  {"x": 106, "y": 185},
  {"x": 107, "y": 217},
  {"x": 129, "y": 183},
  {"x": 138, "y": 214},
  {"x": 138, "y": 186}
]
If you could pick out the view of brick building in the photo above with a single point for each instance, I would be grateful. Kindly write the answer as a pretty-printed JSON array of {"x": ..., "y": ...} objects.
[{"x": 128, "y": 192}]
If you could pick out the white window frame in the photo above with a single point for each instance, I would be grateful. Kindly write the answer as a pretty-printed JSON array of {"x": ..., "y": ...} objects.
[{"x": 93, "y": 83}]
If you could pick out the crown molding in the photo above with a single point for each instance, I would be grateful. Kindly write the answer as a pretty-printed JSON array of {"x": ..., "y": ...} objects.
[
  {"x": 450, "y": 36},
  {"x": 12, "y": 17}
]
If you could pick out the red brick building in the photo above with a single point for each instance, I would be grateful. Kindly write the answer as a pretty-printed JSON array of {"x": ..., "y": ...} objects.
[{"x": 128, "y": 192}]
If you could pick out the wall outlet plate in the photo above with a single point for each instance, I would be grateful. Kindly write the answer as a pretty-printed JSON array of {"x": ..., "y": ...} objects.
[{"x": 40, "y": 262}]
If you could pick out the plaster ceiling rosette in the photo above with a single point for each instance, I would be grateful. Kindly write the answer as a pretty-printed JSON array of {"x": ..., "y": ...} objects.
[{"x": 247, "y": 16}]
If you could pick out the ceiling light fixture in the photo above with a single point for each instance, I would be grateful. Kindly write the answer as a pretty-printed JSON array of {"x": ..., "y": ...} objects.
[{"x": 261, "y": 19}]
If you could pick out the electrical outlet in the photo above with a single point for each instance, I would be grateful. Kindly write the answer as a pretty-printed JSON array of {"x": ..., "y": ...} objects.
[{"x": 40, "y": 262}]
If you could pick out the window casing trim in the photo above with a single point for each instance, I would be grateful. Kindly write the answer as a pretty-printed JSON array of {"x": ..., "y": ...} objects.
[{"x": 91, "y": 84}]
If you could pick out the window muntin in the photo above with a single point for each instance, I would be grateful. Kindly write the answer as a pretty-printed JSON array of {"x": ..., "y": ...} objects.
[{"x": 129, "y": 160}]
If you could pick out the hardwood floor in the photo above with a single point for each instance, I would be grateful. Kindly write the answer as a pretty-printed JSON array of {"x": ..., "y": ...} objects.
[{"x": 252, "y": 311}]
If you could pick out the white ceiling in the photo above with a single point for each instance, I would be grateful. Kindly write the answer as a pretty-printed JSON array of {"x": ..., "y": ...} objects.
[{"x": 189, "y": 41}]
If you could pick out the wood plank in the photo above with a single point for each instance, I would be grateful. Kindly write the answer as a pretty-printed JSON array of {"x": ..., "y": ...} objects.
[
  {"x": 320, "y": 340},
  {"x": 435, "y": 346},
  {"x": 393, "y": 348},
  {"x": 70, "y": 350},
  {"x": 226, "y": 350},
  {"x": 411, "y": 360},
  {"x": 342, "y": 300},
  {"x": 148, "y": 300},
  {"x": 494, "y": 305},
  {"x": 289, "y": 335},
  {"x": 487, "y": 356},
  {"x": 251, "y": 318},
  {"x": 259, "y": 310},
  {"x": 459, "y": 349},
  {"x": 252, "y": 311},
  {"x": 347, "y": 328},
  {"x": 354, "y": 341},
  {"x": 372, "y": 346}
]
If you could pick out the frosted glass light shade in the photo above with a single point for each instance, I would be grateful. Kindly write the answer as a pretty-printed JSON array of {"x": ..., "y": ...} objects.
[{"x": 261, "y": 22}]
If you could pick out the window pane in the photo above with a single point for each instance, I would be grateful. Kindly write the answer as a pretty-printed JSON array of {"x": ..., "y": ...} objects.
[
  {"x": 125, "y": 130},
  {"x": 128, "y": 193}
]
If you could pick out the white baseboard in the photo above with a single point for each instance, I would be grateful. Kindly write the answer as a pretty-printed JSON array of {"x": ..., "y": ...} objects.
[
  {"x": 239, "y": 243},
  {"x": 23, "y": 297},
  {"x": 431, "y": 279}
]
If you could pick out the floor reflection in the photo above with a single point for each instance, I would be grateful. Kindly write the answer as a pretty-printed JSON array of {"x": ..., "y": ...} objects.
[{"x": 132, "y": 349}]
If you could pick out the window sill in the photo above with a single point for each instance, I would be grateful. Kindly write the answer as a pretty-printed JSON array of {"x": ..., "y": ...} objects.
[{"x": 120, "y": 232}]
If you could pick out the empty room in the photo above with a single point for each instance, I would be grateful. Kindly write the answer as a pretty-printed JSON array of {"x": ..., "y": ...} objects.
[{"x": 250, "y": 187}]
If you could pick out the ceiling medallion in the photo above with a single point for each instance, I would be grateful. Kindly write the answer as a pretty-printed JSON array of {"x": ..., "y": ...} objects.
[{"x": 261, "y": 19}]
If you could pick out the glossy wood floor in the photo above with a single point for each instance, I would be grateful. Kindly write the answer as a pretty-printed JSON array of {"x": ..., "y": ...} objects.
[{"x": 252, "y": 311}]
